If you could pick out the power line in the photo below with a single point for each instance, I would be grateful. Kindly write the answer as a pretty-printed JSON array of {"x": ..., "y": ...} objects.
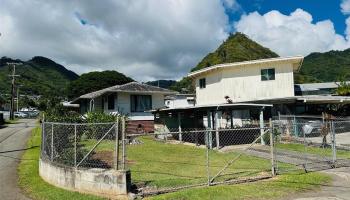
[{"x": 13, "y": 75}]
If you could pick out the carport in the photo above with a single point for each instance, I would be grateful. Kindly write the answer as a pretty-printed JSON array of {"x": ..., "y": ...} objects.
[{"x": 213, "y": 117}]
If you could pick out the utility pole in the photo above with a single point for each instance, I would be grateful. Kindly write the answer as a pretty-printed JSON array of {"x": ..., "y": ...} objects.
[
  {"x": 13, "y": 75},
  {"x": 17, "y": 99}
]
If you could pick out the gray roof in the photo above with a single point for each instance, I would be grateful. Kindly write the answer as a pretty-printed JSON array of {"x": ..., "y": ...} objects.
[
  {"x": 132, "y": 87},
  {"x": 318, "y": 86}
]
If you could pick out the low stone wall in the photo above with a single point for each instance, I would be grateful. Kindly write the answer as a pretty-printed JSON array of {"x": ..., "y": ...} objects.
[{"x": 102, "y": 182}]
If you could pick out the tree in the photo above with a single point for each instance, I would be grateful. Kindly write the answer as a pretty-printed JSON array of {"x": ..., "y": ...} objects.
[
  {"x": 343, "y": 87},
  {"x": 93, "y": 81},
  {"x": 185, "y": 85}
]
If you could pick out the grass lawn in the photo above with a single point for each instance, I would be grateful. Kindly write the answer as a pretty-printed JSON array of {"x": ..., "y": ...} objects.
[
  {"x": 163, "y": 165},
  {"x": 166, "y": 165},
  {"x": 30, "y": 181},
  {"x": 159, "y": 164},
  {"x": 280, "y": 186},
  {"x": 342, "y": 154},
  {"x": 14, "y": 121}
]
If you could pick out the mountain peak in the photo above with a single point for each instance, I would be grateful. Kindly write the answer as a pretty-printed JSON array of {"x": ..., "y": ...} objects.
[{"x": 236, "y": 48}]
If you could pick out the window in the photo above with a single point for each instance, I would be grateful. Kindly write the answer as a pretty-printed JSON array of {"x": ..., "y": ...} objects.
[
  {"x": 202, "y": 83},
  {"x": 140, "y": 103},
  {"x": 268, "y": 74},
  {"x": 111, "y": 102}
]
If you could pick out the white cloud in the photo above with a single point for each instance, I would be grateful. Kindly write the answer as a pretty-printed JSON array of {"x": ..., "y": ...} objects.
[
  {"x": 345, "y": 6},
  {"x": 143, "y": 39},
  {"x": 292, "y": 34}
]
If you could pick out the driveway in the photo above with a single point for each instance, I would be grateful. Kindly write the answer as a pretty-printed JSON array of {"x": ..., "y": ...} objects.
[
  {"x": 339, "y": 189},
  {"x": 13, "y": 140}
]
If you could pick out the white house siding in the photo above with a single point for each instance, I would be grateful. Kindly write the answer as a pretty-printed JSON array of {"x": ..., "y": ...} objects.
[
  {"x": 180, "y": 101},
  {"x": 122, "y": 105},
  {"x": 243, "y": 83}
]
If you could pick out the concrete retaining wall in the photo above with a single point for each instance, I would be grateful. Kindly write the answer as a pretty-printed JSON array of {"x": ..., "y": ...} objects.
[{"x": 103, "y": 182}]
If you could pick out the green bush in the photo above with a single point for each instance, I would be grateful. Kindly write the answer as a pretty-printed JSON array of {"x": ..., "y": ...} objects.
[
  {"x": 94, "y": 130},
  {"x": 58, "y": 113},
  {"x": 99, "y": 117}
]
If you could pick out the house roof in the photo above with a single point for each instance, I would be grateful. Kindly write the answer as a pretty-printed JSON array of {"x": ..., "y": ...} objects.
[
  {"x": 317, "y": 86},
  {"x": 132, "y": 87},
  {"x": 295, "y": 60}
]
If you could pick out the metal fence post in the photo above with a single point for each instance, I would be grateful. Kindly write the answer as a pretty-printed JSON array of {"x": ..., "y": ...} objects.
[
  {"x": 123, "y": 143},
  {"x": 305, "y": 152},
  {"x": 42, "y": 136},
  {"x": 51, "y": 142},
  {"x": 273, "y": 171},
  {"x": 208, "y": 168},
  {"x": 116, "y": 128},
  {"x": 295, "y": 131},
  {"x": 334, "y": 148},
  {"x": 75, "y": 145}
]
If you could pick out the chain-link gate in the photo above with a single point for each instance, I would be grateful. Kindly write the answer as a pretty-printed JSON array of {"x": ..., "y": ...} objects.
[
  {"x": 174, "y": 159},
  {"x": 309, "y": 142}
]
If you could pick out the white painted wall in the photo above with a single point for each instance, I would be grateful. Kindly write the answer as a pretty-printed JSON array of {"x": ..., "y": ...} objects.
[
  {"x": 122, "y": 105},
  {"x": 179, "y": 102},
  {"x": 243, "y": 83}
]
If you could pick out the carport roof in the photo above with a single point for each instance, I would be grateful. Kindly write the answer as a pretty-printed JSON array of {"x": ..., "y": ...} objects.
[{"x": 214, "y": 106}]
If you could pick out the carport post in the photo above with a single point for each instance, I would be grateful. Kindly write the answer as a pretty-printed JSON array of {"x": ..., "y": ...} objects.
[
  {"x": 179, "y": 123},
  {"x": 208, "y": 132},
  {"x": 217, "y": 130},
  {"x": 334, "y": 147},
  {"x": 273, "y": 170},
  {"x": 261, "y": 118}
]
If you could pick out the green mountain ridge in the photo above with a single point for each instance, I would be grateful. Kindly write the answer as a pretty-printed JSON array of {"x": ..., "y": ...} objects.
[
  {"x": 325, "y": 67},
  {"x": 95, "y": 80},
  {"x": 38, "y": 75},
  {"x": 236, "y": 48},
  {"x": 317, "y": 67}
]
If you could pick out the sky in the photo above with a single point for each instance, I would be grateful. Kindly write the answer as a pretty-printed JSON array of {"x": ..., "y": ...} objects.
[{"x": 164, "y": 39}]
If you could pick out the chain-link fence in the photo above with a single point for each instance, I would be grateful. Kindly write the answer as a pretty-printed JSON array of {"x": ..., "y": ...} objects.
[
  {"x": 311, "y": 143},
  {"x": 84, "y": 145},
  {"x": 174, "y": 159}
]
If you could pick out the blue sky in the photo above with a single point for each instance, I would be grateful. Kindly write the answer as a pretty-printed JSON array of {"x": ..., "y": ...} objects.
[{"x": 320, "y": 9}]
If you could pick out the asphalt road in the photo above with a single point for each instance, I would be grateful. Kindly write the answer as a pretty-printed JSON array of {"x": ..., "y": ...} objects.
[{"x": 13, "y": 140}]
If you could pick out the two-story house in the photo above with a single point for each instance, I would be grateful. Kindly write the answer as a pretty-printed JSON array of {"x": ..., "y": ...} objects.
[
  {"x": 236, "y": 94},
  {"x": 247, "y": 81}
]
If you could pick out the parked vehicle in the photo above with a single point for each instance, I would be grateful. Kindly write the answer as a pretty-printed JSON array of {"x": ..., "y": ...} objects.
[
  {"x": 20, "y": 114},
  {"x": 312, "y": 127}
]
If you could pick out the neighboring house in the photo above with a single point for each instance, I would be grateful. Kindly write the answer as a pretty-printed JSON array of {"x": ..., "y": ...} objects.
[
  {"x": 179, "y": 100},
  {"x": 246, "y": 81},
  {"x": 327, "y": 88},
  {"x": 244, "y": 93},
  {"x": 132, "y": 99}
]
